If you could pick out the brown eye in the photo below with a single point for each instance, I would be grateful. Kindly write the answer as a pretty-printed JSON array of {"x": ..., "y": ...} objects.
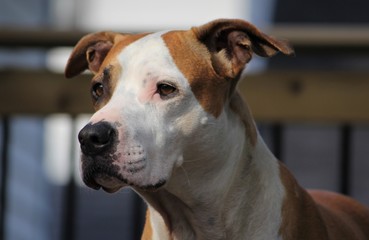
[
  {"x": 97, "y": 91},
  {"x": 165, "y": 89}
]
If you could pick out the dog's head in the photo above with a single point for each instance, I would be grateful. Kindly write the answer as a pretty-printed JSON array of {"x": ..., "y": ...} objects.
[{"x": 159, "y": 96}]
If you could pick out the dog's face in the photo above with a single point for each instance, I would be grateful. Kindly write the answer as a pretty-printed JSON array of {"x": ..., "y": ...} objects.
[
  {"x": 147, "y": 116},
  {"x": 158, "y": 96}
]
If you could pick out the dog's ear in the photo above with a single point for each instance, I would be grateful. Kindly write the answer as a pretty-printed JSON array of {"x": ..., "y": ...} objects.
[
  {"x": 231, "y": 43},
  {"x": 89, "y": 53}
]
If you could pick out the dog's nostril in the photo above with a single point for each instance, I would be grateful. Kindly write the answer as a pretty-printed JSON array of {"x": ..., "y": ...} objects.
[
  {"x": 97, "y": 138},
  {"x": 100, "y": 137}
]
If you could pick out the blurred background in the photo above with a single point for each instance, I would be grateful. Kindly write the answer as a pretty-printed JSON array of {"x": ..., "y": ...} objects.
[{"x": 313, "y": 109}]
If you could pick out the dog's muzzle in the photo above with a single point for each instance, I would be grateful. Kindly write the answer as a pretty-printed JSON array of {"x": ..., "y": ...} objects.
[
  {"x": 100, "y": 160},
  {"x": 99, "y": 145}
]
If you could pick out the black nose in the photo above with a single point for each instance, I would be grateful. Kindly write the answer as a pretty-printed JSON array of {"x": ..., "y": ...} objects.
[{"x": 97, "y": 138}]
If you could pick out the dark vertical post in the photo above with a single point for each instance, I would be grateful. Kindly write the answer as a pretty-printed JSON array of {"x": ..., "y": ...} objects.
[
  {"x": 139, "y": 215},
  {"x": 68, "y": 232},
  {"x": 4, "y": 173},
  {"x": 69, "y": 211},
  {"x": 345, "y": 168},
  {"x": 277, "y": 133}
]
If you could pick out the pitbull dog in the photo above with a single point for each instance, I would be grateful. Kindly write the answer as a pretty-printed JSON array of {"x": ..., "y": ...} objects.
[{"x": 171, "y": 124}]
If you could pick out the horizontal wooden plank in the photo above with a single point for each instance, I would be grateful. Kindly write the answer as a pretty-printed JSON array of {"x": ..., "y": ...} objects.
[
  {"x": 41, "y": 38},
  {"x": 323, "y": 35},
  {"x": 322, "y": 39},
  {"x": 273, "y": 96},
  {"x": 42, "y": 92},
  {"x": 308, "y": 96},
  {"x": 320, "y": 36}
]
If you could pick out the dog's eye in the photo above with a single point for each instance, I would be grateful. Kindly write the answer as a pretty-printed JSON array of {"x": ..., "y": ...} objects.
[
  {"x": 97, "y": 91},
  {"x": 165, "y": 89}
]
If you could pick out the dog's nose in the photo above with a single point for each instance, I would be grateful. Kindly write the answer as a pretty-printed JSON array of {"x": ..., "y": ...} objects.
[{"x": 97, "y": 138}]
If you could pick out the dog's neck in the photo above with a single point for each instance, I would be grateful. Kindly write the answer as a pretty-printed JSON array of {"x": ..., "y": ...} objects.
[{"x": 237, "y": 192}]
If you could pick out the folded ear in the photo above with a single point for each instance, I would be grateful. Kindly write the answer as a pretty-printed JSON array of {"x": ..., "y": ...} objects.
[
  {"x": 89, "y": 53},
  {"x": 231, "y": 43}
]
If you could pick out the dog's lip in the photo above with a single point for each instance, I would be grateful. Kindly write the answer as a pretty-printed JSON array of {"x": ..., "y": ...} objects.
[{"x": 111, "y": 184}]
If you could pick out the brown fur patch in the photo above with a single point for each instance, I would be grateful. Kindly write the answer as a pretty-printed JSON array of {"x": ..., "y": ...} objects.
[
  {"x": 301, "y": 218},
  {"x": 147, "y": 232},
  {"x": 345, "y": 218},
  {"x": 320, "y": 215},
  {"x": 193, "y": 60}
]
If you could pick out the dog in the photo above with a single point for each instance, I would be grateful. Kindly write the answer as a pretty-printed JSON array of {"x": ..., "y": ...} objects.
[{"x": 170, "y": 123}]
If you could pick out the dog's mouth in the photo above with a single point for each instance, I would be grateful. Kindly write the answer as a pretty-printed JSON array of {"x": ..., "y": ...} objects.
[{"x": 106, "y": 176}]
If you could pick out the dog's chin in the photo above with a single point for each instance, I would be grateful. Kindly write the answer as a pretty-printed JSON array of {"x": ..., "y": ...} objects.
[{"x": 109, "y": 184}]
